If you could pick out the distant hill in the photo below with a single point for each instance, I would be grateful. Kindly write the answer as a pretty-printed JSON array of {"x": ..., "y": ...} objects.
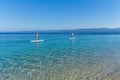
[{"x": 81, "y": 31}]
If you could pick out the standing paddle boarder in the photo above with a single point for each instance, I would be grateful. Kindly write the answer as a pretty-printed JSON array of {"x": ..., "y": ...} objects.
[
  {"x": 72, "y": 35},
  {"x": 37, "y": 36}
]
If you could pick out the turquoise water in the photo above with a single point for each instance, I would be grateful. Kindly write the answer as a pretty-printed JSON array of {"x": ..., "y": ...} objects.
[{"x": 88, "y": 57}]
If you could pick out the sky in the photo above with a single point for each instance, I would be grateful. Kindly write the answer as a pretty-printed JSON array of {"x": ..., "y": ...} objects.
[{"x": 21, "y": 15}]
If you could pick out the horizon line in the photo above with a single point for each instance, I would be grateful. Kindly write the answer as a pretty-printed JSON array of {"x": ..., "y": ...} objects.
[{"x": 55, "y": 29}]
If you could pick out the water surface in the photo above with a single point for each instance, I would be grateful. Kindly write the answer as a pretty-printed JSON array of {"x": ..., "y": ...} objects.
[{"x": 88, "y": 57}]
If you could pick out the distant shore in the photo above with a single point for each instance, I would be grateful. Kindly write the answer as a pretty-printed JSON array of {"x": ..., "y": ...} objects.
[{"x": 80, "y": 31}]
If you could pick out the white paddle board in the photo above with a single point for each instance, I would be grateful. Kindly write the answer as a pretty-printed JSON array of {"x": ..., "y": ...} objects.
[
  {"x": 72, "y": 38},
  {"x": 41, "y": 40}
]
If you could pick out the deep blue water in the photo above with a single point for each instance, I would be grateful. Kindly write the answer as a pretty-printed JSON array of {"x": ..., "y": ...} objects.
[{"x": 88, "y": 57}]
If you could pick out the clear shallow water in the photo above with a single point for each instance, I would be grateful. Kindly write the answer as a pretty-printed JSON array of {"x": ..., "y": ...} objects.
[{"x": 88, "y": 57}]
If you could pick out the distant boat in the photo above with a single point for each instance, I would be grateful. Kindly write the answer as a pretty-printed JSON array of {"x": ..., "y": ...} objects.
[
  {"x": 37, "y": 38},
  {"x": 72, "y": 36}
]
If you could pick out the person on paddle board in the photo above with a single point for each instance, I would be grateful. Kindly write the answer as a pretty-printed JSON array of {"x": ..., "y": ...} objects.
[
  {"x": 37, "y": 36},
  {"x": 72, "y": 35}
]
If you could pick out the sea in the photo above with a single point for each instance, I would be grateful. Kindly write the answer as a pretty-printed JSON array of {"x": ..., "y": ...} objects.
[{"x": 87, "y": 57}]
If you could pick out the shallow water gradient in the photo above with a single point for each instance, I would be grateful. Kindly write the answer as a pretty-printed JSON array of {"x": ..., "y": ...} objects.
[{"x": 88, "y": 57}]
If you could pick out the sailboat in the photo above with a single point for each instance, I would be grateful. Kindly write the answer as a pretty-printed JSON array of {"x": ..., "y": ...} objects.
[{"x": 72, "y": 36}]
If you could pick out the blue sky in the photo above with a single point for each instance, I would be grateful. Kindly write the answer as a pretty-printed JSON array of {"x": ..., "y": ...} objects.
[{"x": 17, "y": 15}]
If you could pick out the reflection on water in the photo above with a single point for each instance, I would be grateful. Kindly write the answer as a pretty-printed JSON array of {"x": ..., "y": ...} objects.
[
  {"x": 90, "y": 57},
  {"x": 72, "y": 40},
  {"x": 36, "y": 45}
]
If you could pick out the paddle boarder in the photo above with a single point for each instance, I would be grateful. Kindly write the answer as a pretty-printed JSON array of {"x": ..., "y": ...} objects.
[
  {"x": 37, "y": 36},
  {"x": 72, "y": 35}
]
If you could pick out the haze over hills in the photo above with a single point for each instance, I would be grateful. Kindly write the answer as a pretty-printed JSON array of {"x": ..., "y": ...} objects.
[{"x": 81, "y": 31}]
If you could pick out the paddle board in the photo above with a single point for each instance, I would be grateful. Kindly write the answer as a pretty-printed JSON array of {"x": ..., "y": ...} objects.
[
  {"x": 41, "y": 40},
  {"x": 72, "y": 38}
]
